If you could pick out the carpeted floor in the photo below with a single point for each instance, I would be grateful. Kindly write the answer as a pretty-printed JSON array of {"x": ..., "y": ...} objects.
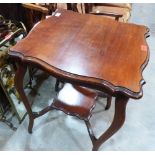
[{"x": 57, "y": 131}]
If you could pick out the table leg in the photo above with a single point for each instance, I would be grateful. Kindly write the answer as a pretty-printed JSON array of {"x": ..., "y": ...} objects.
[
  {"x": 57, "y": 85},
  {"x": 119, "y": 118},
  {"x": 109, "y": 99},
  {"x": 19, "y": 78}
]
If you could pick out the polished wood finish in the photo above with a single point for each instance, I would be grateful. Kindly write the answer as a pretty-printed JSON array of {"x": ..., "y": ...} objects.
[
  {"x": 76, "y": 101},
  {"x": 80, "y": 101},
  {"x": 19, "y": 86},
  {"x": 90, "y": 51},
  {"x": 73, "y": 47}
]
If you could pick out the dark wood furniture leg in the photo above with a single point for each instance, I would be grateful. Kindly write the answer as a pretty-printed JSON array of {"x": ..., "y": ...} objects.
[
  {"x": 109, "y": 99},
  {"x": 19, "y": 78},
  {"x": 57, "y": 85},
  {"x": 119, "y": 118}
]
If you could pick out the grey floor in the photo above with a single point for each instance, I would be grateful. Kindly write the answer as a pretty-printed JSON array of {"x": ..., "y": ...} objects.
[{"x": 57, "y": 131}]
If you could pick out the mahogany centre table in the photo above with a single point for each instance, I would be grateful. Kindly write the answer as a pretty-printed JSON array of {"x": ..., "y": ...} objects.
[{"x": 86, "y": 50}]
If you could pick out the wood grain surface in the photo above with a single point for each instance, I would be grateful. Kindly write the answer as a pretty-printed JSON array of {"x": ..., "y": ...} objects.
[{"x": 89, "y": 48}]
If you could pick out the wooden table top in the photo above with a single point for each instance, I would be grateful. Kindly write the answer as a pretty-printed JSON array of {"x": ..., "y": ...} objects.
[{"x": 89, "y": 48}]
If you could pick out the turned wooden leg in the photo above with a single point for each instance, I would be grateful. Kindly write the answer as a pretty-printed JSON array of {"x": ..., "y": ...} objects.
[
  {"x": 109, "y": 99},
  {"x": 19, "y": 78}
]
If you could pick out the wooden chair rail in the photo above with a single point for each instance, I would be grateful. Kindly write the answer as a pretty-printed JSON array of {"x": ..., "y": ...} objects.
[
  {"x": 35, "y": 7},
  {"x": 111, "y": 14}
]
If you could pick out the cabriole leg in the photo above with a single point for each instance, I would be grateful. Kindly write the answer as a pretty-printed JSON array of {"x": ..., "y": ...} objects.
[
  {"x": 119, "y": 118},
  {"x": 19, "y": 78}
]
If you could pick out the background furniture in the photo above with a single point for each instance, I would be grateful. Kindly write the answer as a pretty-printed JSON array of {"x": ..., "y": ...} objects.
[
  {"x": 105, "y": 9},
  {"x": 37, "y": 11},
  {"x": 11, "y": 32},
  {"x": 30, "y": 13},
  {"x": 34, "y": 13},
  {"x": 110, "y": 9},
  {"x": 13, "y": 11}
]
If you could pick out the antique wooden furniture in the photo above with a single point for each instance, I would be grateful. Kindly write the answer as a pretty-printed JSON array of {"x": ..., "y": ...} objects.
[
  {"x": 90, "y": 51},
  {"x": 87, "y": 8},
  {"x": 120, "y": 11},
  {"x": 34, "y": 13}
]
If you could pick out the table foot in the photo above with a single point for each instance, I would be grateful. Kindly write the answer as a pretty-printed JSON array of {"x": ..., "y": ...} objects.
[
  {"x": 94, "y": 148},
  {"x": 31, "y": 122},
  {"x": 119, "y": 118}
]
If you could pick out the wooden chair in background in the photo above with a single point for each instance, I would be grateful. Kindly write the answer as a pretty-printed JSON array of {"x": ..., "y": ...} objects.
[
  {"x": 120, "y": 11},
  {"x": 34, "y": 13}
]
